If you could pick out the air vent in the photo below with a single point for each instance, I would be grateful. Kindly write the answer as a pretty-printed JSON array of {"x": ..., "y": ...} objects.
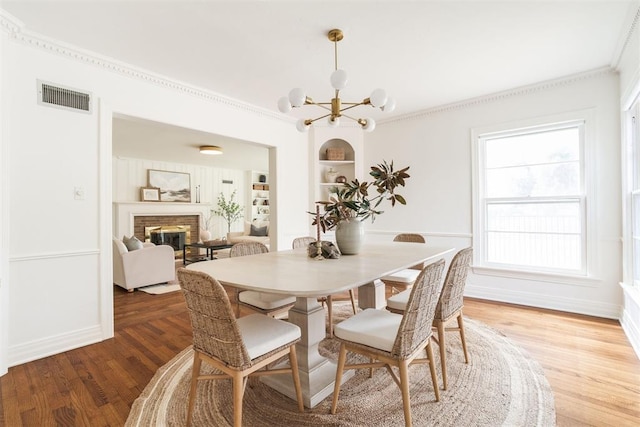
[{"x": 58, "y": 96}]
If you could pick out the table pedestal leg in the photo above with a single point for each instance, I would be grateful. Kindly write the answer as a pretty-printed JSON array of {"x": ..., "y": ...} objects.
[
  {"x": 317, "y": 373},
  {"x": 372, "y": 295}
]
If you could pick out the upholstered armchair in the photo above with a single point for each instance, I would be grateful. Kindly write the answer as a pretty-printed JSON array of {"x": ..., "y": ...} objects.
[{"x": 142, "y": 267}]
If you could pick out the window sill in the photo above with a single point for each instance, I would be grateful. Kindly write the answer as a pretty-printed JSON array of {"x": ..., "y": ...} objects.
[
  {"x": 564, "y": 279},
  {"x": 632, "y": 291}
]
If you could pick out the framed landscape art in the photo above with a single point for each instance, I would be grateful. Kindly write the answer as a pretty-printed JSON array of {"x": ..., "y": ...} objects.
[
  {"x": 149, "y": 194},
  {"x": 174, "y": 186}
]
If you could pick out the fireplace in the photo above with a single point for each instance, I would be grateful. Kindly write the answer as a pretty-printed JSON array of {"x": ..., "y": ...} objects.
[
  {"x": 173, "y": 230},
  {"x": 174, "y": 235}
]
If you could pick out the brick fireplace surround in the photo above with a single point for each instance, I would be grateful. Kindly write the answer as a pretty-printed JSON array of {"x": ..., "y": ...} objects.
[{"x": 140, "y": 222}]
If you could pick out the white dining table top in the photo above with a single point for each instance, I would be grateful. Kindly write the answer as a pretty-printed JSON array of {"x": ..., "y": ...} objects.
[{"x": 293, "y": 272}]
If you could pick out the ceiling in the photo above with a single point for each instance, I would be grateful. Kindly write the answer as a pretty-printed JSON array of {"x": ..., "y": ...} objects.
[{"x": 423, "y": 53}]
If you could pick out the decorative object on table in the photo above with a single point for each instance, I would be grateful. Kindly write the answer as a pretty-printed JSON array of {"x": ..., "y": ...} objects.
[
  {"x": 341, "y": 179},
  {"x": 174, "y": 186},
  {"x": 297, "y": 98},
  {"x": 229, "y": 210},
  {"x": 149, "y": 194},
  {"x": 318, "y": 255},
  {"x": 327, "y": 250},
  {"x": 351, "y": 203},
  {"x": 205, "y": 226},
  {"x": 331, "y": 175}
]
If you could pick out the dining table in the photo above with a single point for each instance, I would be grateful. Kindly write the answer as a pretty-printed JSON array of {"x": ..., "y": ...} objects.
[{"x": 294, "y": 272}]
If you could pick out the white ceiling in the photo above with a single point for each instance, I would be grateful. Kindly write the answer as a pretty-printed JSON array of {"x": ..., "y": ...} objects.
[{"x": 424, "y": 53}]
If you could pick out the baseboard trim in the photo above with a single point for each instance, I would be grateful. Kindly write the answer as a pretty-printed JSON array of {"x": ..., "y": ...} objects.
[
  {"x": 570, "y": 305},
  {"x": 33, "y": 350}
]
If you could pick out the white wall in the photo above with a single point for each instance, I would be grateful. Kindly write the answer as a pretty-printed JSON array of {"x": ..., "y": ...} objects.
[
  {"x": 4, "y": 298},
  {"x": 57, "y": 285},
  {"x": 437, "y": 145}
]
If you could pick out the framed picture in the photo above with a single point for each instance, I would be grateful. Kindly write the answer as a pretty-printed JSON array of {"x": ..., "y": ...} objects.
[
  {"x": 174, "y": 186},
  {"x": 149, "y": 194}
]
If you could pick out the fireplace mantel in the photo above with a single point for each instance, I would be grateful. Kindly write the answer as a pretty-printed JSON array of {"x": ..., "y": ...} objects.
[{"x": 124, "y": 212}]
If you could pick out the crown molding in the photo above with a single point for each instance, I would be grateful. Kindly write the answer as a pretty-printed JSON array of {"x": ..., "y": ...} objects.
[
  {"x": 500, "y": 96},
  {"x": 626, "y": 33},
  {"x": 16, "y": 30}
]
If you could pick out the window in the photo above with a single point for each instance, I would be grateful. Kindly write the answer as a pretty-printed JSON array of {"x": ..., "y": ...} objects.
[
  {"x": 530, "y": 199},
  {"x": 633, "y": 185}
]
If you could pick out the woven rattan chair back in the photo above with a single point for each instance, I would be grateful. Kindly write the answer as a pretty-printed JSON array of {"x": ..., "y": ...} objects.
[
  {"x": 409, "y": 237},
  {"x": 418, "y": 316},
  {"x": 248, "y": 248},
  {"x": 215, "y": 332},
  {"x": 451, "y": 298},
  {"x": 302, "y": 242}
]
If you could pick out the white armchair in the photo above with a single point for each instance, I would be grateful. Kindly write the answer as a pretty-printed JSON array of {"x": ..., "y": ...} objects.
[{"x": 147, "y": 266}]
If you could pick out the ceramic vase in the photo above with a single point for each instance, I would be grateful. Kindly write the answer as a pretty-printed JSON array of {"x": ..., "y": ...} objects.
[
  {"x": 205, "y": 235},
  {"x": 331, "y": 175},
  {"x": 350, "y": 236}
]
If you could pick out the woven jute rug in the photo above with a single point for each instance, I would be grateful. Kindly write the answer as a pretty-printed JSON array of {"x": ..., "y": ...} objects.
[{"x": 501, "y": 386}]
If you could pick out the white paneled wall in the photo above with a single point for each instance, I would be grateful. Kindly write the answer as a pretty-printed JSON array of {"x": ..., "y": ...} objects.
[{"x": 131, "y": 174}]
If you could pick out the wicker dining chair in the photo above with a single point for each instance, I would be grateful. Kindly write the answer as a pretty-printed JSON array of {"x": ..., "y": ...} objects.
[
  {"x": 389, "y": 339},
  {"x": 449, "y": 306},
  {"x": 404, "y": 279},
  {"x": 303, "y": 242},
  {"x": 238, "y": 348},
  {"x": 270, "y": 304}
]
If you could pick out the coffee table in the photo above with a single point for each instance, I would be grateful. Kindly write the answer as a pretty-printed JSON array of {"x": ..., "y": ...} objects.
[{"x": 209, "y": 247}]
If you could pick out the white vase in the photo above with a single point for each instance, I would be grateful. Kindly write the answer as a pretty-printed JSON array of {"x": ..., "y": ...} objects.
[
  {"x": 205, "y": 235},
  {"x": 350, "y": 236},
  {"x": 331, "y": 175}
]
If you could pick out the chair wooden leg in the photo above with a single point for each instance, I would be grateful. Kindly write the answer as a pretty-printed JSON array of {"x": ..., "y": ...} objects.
[
  {"x": 432, "y": 368},
  {"x": 342, "y": 358},
  {"x": 238, "y": 388},
  {"x": 330, "y": 315},
  {"x": 443, "y": 352},
  {"x": 404, "y": 387},
  {"x": 353, "y": 301},
  {"x": 195, "y": 372},
  {"x": 293, "y": 361},
  {"x": 464, "y": 342}
]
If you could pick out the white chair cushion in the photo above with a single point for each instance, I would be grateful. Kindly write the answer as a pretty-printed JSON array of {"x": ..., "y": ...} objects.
[
  {"x": 264, "y": 300},
  {"x": 375, "y": 328},
  {"x": 399, "y": 301},
  {"x": 262, "y": 334},
  {"x": 403, "y": 276}
]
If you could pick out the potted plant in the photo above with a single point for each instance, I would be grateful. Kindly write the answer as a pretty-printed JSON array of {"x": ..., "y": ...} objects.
[
  {"x": 230, "y": 210},
  {"x": 356, "y": 201}
]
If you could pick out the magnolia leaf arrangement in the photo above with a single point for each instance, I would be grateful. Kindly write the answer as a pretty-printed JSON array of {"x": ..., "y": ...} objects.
[
  {"x": 354, "y": 201},
  {"x": 229, "y": 210}
]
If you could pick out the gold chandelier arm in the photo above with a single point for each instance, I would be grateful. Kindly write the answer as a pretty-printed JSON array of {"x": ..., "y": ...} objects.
[
  {"x": 309, "y": 121},
  {"x": 351, "y": 105}
]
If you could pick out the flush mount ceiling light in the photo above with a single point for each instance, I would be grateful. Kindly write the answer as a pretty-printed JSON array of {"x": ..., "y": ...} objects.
[
  {"x": 212, "y": 150},
  {"x": 298, "y": 98}
]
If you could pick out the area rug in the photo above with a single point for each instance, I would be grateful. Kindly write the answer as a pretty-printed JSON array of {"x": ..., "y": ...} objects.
[
  {"x": 501, "y": 386},
  {"x": 161, "y": 288}
]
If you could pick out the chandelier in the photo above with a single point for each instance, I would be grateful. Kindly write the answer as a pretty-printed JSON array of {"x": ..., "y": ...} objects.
[{"x": 336, "y": 108}]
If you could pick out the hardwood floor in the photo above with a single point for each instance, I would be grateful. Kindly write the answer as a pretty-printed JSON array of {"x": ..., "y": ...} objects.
[{"x": 591, "y": 367}]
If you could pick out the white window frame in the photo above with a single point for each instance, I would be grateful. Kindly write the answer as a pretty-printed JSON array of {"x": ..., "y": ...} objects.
[
  {"x": 584, "y": 276},
  {"x": 630, "y": 188}
]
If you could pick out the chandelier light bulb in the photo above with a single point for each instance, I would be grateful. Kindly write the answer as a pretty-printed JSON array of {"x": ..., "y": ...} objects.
[
  {"x": 297, "y": 97},
  {"x": 284, "y": 105},
  {"x": 333, "y": 122},
  {"x": 389, "y": 106},
  {"x": 370, "y": 125},
  {"x": 339, "y": 79},
  {"x": 378, "y": 98},
  {"x": 302, "y": 126}
]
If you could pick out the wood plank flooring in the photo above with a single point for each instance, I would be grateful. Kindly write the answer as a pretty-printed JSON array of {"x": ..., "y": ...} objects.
[{"x": 591, "y": 367}]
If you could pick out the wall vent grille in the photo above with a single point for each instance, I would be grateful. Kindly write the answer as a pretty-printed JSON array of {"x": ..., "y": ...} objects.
[{"x": 59, "y": 96}]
